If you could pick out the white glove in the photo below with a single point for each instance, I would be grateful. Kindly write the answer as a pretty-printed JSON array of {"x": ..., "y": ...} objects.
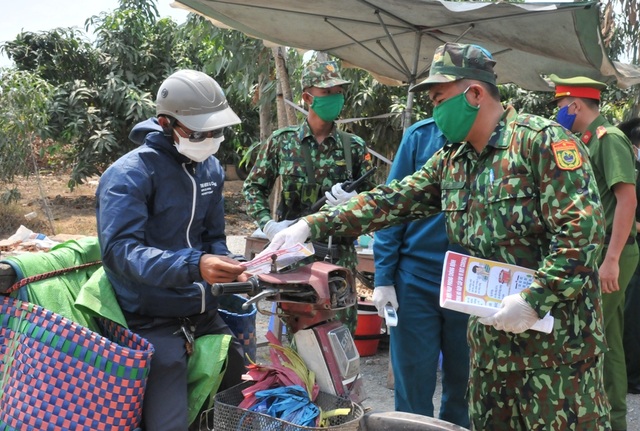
[
  {"x": 515, "y": 315},
  {"x": 273, "y": 227},
  {"x": 382, "y": 295},
  {"x": 294, "y": 234},
  {"x": 337, "y": 195}
]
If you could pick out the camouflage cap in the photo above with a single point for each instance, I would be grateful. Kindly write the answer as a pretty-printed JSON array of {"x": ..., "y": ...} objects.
[
  {"x": 455, "y": 61},
  {"x": 322, "y": 74}
]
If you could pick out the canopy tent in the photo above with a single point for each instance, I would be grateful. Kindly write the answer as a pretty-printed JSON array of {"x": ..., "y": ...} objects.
[{"x": 395, "y": 39}]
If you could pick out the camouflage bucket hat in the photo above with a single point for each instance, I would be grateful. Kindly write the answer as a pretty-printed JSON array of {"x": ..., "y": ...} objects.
[
  {"x": 454, "y": 61},
  {"x": 322, "y": 74}
]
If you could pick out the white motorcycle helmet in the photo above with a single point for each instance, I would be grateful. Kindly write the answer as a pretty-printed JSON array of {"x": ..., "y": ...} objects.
[{"x": 196, "y": 100}]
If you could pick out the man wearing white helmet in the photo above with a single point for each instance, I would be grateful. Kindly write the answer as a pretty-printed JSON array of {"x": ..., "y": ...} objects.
[{"x": 160, "y": 214}]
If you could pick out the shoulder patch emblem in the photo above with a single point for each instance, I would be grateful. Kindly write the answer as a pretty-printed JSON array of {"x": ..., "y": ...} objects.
[
  {"x": 567, "y": 155},
  {"x": 601, "y": 131}
]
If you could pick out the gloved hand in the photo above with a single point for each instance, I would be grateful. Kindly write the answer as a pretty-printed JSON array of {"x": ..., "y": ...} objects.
[
  {"x": 273, "y": 227},
  {"x": 294, "y": 234},
  {"x": 382, "y": 295},
  {"x": 337, "y": 195},
  {"x": 515, "y": 315}
]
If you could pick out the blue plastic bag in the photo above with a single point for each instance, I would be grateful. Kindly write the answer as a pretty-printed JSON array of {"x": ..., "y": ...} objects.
[{"x": 289, "y": 403}]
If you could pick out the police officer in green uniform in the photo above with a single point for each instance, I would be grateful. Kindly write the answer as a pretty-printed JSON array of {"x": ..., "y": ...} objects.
[
  {"x": 613, "y": 161},
  {"x": 631, "y": 337},
  {"x": 313, "y": 161},
  {"x": 518, "y": 189}
]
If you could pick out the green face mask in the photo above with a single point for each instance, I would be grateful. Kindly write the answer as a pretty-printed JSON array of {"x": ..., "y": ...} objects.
[
  {"x": 328, "y": 107},
  {"x": 455, "y": 116}
]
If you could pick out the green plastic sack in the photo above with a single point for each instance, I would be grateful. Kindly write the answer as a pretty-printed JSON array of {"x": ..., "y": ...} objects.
[{"x": 205, "y": 371}]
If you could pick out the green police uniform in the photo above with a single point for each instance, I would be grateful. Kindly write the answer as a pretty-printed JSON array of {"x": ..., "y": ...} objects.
[
  {"x": 308, "y": 169},
  {"x": 613, "y": 161},
  {"x": 527, "y": 199}
]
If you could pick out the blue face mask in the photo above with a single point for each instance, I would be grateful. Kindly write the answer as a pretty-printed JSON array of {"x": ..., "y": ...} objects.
[{"x": 564, "y": 118}]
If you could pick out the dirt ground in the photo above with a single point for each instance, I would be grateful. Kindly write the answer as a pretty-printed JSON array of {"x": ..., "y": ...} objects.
[
  {"x": 73, "y": 213},
  {"x": 59, "y": 210}
]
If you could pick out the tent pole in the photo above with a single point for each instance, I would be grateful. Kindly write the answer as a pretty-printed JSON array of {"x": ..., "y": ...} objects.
[{"x": 406, "y": 121}]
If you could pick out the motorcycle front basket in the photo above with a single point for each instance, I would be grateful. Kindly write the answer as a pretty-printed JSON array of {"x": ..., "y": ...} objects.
[{"x": 228, "y": 416}]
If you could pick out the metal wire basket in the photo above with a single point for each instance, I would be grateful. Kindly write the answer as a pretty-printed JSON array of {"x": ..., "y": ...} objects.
[{"x": 229, "y": 417}]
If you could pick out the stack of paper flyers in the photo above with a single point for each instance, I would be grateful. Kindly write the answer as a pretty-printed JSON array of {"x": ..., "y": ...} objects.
[{"x": 261, "y": 264}]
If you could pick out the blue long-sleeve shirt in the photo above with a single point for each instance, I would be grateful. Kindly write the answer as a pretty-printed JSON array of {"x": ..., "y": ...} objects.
[{"x": 417, "y": 247}]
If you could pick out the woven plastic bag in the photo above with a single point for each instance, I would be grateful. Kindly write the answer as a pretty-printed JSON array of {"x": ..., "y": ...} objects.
[
  {"x": 57, "y": 375},
  {"x": 241, "y": 322}
]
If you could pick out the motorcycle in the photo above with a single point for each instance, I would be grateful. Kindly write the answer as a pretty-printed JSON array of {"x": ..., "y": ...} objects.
[{"x": 307, "y": 300}]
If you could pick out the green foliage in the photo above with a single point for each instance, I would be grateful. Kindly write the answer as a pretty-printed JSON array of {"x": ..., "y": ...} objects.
[
  {"x": 531, "y": 102},
  {"x": 367, "y": 97},
  {"x": 626, "y": 30},
  {"x": 84, "y": 97},
  {"x": 9, "y": 196},
  {"x": 616, "y": 104},
  {"x": 103, "y": 89},
  {"x": 24, "y": 113},
  {"x": 50, "y": 53},
  {"x": 234, "y": 60}
]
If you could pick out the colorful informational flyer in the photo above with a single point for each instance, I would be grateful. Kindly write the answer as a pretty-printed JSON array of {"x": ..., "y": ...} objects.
[
  {"x": 476, "y": 286},
  {"x": 262, "y": 263}
]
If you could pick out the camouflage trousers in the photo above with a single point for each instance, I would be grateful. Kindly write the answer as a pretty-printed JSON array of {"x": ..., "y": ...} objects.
[{"x": 567, "y": 397}]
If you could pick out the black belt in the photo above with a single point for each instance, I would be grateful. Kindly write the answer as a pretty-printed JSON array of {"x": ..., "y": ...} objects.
[{"x": 630, "y": 240}]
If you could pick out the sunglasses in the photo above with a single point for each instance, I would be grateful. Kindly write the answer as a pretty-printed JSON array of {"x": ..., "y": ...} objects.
[{"x": 201, "y": 136}]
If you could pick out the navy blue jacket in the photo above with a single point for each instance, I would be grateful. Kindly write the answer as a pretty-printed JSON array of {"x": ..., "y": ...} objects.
[{"x": 158, "y": 213}]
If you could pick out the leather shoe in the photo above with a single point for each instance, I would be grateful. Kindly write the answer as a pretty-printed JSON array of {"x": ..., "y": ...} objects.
[{"x": 633, "y": 389}]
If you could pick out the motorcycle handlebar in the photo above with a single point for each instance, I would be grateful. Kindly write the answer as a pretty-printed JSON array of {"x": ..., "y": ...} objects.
[{"x": 249, "y": 286}]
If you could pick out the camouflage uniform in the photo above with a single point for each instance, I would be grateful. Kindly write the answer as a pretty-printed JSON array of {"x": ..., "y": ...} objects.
[
  {"x": 283, "y": 156},
  {"x": 529, "y": 198}
]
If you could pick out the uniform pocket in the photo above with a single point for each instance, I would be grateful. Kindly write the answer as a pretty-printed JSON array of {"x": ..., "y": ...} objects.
[
  {"x": 513, "y": 203},
  {"x": 454, "y": 196}
]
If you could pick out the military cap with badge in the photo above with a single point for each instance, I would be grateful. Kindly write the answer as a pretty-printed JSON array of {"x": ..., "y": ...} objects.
[
  {"x": 322, "y": 74},
  {"x": 455, "y": 61},
  {"x": 578, "y": 86}
]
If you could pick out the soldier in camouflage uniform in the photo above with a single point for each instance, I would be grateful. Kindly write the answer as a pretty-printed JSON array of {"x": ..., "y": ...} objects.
[
  {"x": 313, "y": 160},
  {"x": 518, "y": 189},
  {"x": 613, "y": 160}
]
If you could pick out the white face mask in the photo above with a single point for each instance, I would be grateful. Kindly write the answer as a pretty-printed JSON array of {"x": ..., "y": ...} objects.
[
  {"x": 637, "y": 153},
  {"x": 198, "y": 151}
]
